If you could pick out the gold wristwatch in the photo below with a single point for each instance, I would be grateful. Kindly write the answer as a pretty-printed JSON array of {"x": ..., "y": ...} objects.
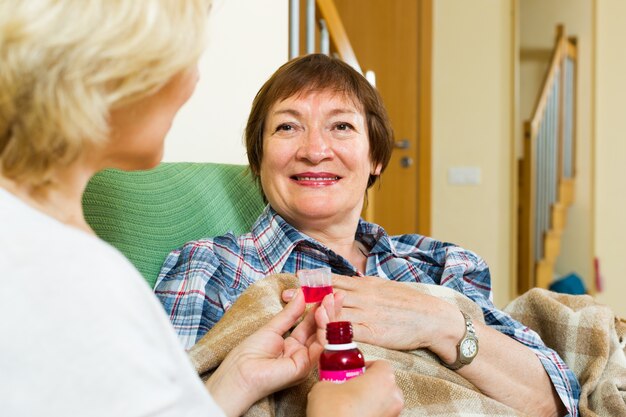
[{"x": 467, "y": 348}]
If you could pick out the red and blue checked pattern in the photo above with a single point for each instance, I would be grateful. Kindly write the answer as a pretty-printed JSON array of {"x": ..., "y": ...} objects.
[{"x": 200, "y": 281}]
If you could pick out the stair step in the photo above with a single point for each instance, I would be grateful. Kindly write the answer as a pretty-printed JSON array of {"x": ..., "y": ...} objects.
[
  {"x": 552, "y": 245},
  {"x": 559, "y": 217},
  {"x": 567, "y": 191},
  {"x": 544, "y": 273}
]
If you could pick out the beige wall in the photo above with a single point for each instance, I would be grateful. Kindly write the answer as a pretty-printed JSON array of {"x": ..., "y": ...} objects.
[
  {"x": 248, "y": 40},
  {"x": 538, "y": 20},
  {"x": 610, "y": 156},
  {"x": 472, "y": 116}
]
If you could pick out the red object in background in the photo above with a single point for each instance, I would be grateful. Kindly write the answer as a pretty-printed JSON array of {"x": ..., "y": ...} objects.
[
  {"x": 315, "y": 294},
  {"x": 598, "y": 276}
]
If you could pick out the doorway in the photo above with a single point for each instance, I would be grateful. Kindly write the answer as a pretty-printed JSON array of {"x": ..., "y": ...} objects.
[{"x": 394, "y": 39}]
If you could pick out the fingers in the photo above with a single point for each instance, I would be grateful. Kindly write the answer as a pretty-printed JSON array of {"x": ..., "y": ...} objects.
[
  {"x": 288, "y": 294},
  {"x": 333, "y": 305},
  {"x": 307, "y": 327},
  {"x": 384, "y": 379},
  {"x": 330, "y": 309},
  {"x": 285, "y": 319},
  {"x": 374, "y": 394},
  {"x": 345, "y": 283},
  {"x": 359, "y": 291},
  {"x": 379, "y": 367}
]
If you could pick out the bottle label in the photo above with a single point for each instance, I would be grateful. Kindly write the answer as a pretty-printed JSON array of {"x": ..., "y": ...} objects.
[{"x": 339, "y": 377}]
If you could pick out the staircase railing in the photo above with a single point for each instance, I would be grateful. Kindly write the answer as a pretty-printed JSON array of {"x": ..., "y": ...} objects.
[
  {"x": 547, "y": 169},
  {"x": 321, "y": 17}
]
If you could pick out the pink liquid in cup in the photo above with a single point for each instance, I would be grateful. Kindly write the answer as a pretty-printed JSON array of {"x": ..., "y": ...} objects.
[
  {"x": 316, "y": 294},
  {"x": 315, "y": 283}
]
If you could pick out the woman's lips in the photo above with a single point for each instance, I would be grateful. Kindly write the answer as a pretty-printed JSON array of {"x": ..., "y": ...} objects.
[{"x": 316, "y": 179}]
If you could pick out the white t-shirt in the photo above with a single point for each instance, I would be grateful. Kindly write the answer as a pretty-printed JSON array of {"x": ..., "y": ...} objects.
[{"x": 81, "y": 333}]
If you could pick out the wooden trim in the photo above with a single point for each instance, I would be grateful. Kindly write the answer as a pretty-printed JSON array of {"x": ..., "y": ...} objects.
[
  {"x": 337, "y": 32},
  {"x": 593, "y": 285},
  {"x": 424, "y": 142},
  {"x": 515, "y": 141},
  {"x": 526, "y": 261}
]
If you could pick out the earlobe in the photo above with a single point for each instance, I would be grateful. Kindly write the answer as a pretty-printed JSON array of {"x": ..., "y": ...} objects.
[{"x": 377, "y": 169}]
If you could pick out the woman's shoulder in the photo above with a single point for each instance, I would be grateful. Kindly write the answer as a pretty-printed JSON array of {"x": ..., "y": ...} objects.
[
  {"x": 46, "y": 247},
  {"x": 225, "y": 245},
  {"x": 222, "y": 255},
  {"x": 42, "y": 256},
  {"x": 375, "y": 235},
  {"x": 415, "y": 244}
]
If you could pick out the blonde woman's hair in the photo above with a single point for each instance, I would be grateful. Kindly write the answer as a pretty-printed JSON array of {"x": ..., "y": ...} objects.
[{"x": 65, "y": 64}]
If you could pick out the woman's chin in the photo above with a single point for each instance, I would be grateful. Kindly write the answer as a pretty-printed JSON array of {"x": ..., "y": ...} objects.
[{"x": 316, "y": 211}]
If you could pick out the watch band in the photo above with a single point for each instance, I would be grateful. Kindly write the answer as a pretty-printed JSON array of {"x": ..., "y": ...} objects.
[{"x": 470, "y": 339}]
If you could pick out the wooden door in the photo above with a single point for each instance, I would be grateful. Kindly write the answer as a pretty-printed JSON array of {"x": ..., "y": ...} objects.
[{"x": 392, "y": 39}]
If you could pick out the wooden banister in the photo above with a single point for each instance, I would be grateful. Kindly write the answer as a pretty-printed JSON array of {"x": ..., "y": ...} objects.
[
  {"x": 555, "y": 63},
  {"x": 338, "y": 35},
  {"x": 544, "y": 190}
]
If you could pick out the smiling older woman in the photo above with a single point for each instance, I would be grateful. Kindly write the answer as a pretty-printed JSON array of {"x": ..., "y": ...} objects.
[{"x": 317, "y": 137}]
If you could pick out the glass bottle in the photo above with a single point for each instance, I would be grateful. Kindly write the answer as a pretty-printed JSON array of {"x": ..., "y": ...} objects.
[{"x": 341, "y": 359}]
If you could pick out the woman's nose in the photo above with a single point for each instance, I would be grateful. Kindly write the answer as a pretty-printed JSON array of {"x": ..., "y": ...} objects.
[{"x": 315, "y": 147}]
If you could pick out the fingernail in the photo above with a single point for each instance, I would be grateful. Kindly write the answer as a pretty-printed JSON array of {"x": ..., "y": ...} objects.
[{"x": 289, "y": 293}]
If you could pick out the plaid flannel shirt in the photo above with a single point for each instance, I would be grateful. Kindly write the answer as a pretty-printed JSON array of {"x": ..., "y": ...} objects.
[{"x": 200, "y": 281}]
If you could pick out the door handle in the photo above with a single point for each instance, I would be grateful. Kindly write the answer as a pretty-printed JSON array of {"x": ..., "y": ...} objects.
[
  {"x": 406, "y": 161},
  {"x": 402, "y": 144}
]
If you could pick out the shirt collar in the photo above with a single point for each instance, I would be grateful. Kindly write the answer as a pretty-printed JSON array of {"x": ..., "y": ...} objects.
[
  {"x": 275, "y": 239},
  {"x": 374, "y": 237}
]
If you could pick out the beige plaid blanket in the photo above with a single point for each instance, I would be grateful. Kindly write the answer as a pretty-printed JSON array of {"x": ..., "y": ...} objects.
[{"x": 583, "y": 332}]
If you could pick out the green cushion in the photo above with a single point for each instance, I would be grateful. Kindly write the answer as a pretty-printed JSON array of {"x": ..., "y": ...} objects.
[{"x": 146, "y": 214}]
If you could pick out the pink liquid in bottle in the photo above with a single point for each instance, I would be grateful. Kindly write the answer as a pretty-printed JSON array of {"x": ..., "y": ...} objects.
[
  {"x": 316, "y": 294},
  {"x": 341, "y": 359}
]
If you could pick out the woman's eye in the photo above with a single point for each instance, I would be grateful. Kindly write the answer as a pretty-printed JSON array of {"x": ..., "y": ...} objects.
[
  {"x": 343, "y": 126},
  {"x": 284, "y": 128}
]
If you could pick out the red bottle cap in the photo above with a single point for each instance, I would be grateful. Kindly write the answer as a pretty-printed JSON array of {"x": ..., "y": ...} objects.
[{"x": 339, "y": 332}]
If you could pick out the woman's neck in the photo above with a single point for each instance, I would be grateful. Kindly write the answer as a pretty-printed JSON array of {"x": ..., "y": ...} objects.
[
  {"x": 61, "y": 200},
  {"x": 340, "y": 239}
]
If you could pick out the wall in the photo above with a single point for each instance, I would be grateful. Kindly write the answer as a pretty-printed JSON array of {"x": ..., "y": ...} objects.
[
  {"x": 248, "y": 41},
  {"x": 538, "y": 20},
  {"x": 610, "y": 151},
  {"x": 472, "y": 119}
]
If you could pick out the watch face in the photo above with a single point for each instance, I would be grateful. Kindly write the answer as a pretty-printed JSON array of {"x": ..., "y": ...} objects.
[{"x": 469, "y": 348}]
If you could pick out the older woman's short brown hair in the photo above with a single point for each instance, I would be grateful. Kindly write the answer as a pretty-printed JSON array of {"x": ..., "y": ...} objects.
[{"x": 317, "y": 72}]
